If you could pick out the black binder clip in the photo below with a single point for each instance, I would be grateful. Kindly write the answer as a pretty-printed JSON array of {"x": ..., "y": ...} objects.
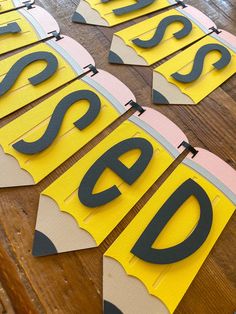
[
  {"x": 215, "y": 30},
  {"x": 136, "y": 106},
  {"x": 28, "y": 5},
  {"x": 181, "y": 3},
  {"x": 189, "y": 148},
  {"x": 56, "y": 35},
  {"x": 92, "y": 68}
]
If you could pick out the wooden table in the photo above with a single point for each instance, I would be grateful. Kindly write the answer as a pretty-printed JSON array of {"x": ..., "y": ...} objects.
[{"x": 72, "y": 282}]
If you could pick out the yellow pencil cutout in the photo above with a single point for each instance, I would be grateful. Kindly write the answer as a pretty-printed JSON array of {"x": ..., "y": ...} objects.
[
  {"x": 109, "y": 13},
  {"x": 153, "y": 262},
  {"x": 197, "y": 71},
  {"x": 39, "y": 141},
  {"x": 156, "y": 38}
]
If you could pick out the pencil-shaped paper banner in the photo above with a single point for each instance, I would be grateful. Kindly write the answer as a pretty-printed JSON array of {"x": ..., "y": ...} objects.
[
  {"x": 110, "y": 13},
  {"x": 82, "y": 207},
  {"x": 197, "y": 71},
  {"x": 9, "y": 5},
  {"x": 23, "y": 27},
  {"x": 160, "y": 36},
  {"x": 150, "y": 266},
  {"x": 37, "y": 142},
  {"x": 36, "y": 71}
]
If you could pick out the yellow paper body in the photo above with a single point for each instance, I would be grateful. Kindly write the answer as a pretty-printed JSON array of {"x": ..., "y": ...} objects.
[
  {"x": 170, "y": 282},
  {"x": 22, "y": 93},
  {"x": 210, "y": 78},
  {"x": 106, "y": 9},
  {"x": 32, "y": 125},
  {"x": 6, "y": 5},
  {"x": 100, "y": 221},
  {"x": 169, "y": 44},
  {"x": 27, "y": 35}
]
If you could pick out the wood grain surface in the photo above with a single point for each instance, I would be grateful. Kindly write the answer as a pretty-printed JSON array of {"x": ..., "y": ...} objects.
[{"x": 72, "y": 282}]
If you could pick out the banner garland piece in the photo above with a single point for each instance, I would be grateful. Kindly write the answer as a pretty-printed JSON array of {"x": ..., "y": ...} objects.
[
  {"x": 110, "y": 13},
  {"x": 197, "y": 71},
  {"x": 37, "y": 142},
  {"x": 23, "y": 27},
  {"x": 9, "y": 5},
  {"x": 25, "y": 78},
  {"x": 93, "y": 196},
  {"x": 153, "y": 262},
  {"x": 160, "y": 36}
]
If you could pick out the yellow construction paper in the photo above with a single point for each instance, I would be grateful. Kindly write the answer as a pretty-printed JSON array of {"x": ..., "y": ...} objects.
[
  {"x": 22, "y": 93},
  {"x": 27, "y": 35},
  {"x": 170, "y": 282},
  {"x": 210, "y": 78},
  {"x": 169, "y": 44},
  {"x": 100, "y": 221},
  {"x": 32, "y": 125},
  {"x": 6, "y": 5}
]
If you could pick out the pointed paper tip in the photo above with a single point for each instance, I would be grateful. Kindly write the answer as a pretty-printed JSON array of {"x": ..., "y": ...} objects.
[
  {"x": 158, "y": 98},
  {"x": 78, "y": 18},
  {"x": 110, "y": 308},
  {"x": 114, "y": 58},
  {"x": 42, "y": 245}
]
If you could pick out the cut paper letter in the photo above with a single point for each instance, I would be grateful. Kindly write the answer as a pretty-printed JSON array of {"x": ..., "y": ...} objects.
[
  {"x": 82, "y": 207},
  {"x": 152, "y": 263},
  {"x": 20, "y": 28},
  {"x": 156, "y": 38},
  {"x": 10, "y": 5},
  {"x": 36, "y": 71},
  {"x": 110, "y": 13},
  {"x": 194, "y": 73},
  {"x": 37, "y": 142}
]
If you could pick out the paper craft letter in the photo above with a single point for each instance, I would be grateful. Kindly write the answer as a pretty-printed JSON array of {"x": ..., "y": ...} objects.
[
  {"x": 65, "y": 60},
  {"x": 144, "y": 246},
  {"x": 111, "y": 160},
  {"x": 140, "y": 4},
  {"x": 56, "y": 120}
]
